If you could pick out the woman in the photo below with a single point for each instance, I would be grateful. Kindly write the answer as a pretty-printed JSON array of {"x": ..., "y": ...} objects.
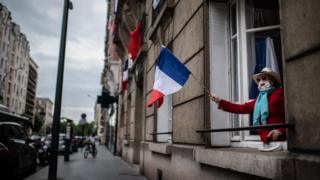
[{"x": 267, "y": 108}]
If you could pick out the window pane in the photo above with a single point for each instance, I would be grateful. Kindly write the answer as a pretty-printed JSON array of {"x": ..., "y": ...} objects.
[
  {"x": 235, "y": 79},
  {"x": 260, "y": 13},
  {"x": 235, "y": 82},
  {"x": 13, "y": 132},
  {"x": 259, "y": 44},
  {"x": 259, "y": 56},
  {"x": 236, "y": 123}
]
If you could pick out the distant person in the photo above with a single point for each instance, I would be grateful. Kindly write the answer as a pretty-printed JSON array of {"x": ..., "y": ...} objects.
[{"x": 91, "y": 142}]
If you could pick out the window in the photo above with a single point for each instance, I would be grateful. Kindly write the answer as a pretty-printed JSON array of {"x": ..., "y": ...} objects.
[
  {"x": 164, "y": 120},
  {"x": 155, "y": 3},
  {"x": 156, "y": 8},
  {"x": 243, "y": 34},
  {"x": 13, "y": 132}
]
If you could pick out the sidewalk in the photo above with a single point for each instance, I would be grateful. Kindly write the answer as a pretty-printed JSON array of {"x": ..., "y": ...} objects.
[{"x": 104, "y": 166}]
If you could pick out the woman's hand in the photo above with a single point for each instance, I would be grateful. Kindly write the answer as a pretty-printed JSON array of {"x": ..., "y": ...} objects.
[
  {"x": 215, "y": 98},
  {"x": 274, "y": 134}
]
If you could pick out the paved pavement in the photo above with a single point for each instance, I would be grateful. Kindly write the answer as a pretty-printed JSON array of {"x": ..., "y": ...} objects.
[{"x": 104, "y": 167}]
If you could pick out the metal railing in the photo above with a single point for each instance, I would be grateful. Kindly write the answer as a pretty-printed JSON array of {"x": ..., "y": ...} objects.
[
  {"x": 160, "y": 133},
  {"x": 269, "y": 126}
]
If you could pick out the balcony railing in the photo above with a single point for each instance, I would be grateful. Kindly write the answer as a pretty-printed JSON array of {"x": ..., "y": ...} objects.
[{"x": 269, "y": 126}]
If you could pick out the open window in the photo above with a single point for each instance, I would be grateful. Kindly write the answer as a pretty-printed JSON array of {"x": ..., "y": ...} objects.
[{"x": 244, "y": 38}]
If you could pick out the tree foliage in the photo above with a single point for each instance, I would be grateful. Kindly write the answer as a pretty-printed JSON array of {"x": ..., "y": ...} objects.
[{"x": 38, "y": 123}]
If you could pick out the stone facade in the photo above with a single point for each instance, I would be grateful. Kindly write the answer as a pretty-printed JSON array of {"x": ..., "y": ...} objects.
[
  {"x": 110, "y": 80},
  {"x": 198, "y": 33},
  {"x": 14, "y": 63},
  {"x": 97, "y": 119},
  {"x": 31, "y": 90},
  {"x": 44, "y": 109}
]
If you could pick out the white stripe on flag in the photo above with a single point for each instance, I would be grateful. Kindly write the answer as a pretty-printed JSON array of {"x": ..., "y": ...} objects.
[
  {"x": 164, "y": 83},
  {"x": 125, "y": 75}
]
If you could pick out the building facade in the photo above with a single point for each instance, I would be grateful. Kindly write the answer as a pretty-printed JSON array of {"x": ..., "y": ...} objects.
[
  {"x": 97, "y": 119},
  {"x": 14, "y": 63},
  {"x": 219, "y": 42},
  {"x": 110, "y": 80},
  {"x": 31, "y": 90},
  {"x": 44, "y": 109}
]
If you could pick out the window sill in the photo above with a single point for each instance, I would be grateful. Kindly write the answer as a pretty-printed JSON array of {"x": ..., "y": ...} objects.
[
  {"x": 257, "y": 144},
  {"x": 162, "y": 148},
  {"x": 273, "y": 165},
  {"x": 126, "y": 142}
]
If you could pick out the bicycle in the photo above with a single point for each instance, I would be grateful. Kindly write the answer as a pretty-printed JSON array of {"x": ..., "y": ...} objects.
[{"x": 90, "y": 148}]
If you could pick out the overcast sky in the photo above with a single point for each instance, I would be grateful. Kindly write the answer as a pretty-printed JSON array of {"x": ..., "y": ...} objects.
[{"x": 41, "y": 21}]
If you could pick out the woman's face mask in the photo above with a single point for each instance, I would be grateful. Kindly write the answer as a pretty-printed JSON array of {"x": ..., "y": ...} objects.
[{"x": 264, "y": 83}]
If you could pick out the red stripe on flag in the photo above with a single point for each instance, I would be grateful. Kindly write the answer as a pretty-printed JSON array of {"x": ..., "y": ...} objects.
[
  {"x": 135, "y": 42},
  {"x": 156, "y": 96}
]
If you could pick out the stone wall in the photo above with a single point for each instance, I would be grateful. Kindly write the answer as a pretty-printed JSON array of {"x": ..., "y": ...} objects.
[
  {"x": 182, "y": 32},
  {"x": 301, "y": 42}
]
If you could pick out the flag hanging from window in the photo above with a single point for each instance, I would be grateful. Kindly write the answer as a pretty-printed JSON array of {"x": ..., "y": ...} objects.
[
  {"x": 135, "y": 42},
  {"x": 170, "y": 76},
  {"x": 124, "y": 80},
  {"x": 113, "y": 26}
]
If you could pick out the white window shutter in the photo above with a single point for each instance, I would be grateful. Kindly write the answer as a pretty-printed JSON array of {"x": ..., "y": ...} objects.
[
  {"x": 164, "y": 119},
  {"x": 219, "y": 76}
]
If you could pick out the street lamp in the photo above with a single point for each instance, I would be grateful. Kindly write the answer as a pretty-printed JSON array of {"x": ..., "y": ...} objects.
[{"x": 57, "y": 107}]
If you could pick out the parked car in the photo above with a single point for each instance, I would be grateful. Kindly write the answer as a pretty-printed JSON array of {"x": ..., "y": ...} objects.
[
  {"x": 4, "y": 161},
  {"x": 17, "y": 154}
]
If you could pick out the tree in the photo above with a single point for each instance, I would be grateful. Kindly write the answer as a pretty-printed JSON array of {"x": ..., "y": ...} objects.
[
  {"x": 38, "y": 123},
  {"x": 63, "y": 126},
  {"x": 48, "y": 129},
  {"x": 89, "y": 128}
]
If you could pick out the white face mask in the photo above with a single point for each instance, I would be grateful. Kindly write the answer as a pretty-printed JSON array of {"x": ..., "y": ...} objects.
[{"x": 264, "y": 85}]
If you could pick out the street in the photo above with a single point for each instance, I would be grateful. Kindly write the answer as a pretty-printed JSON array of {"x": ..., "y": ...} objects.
[{"x": 104, "y": 166}]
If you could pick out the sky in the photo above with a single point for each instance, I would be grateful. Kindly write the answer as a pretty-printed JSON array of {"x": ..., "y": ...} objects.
[{"x": 41, "y": 21}]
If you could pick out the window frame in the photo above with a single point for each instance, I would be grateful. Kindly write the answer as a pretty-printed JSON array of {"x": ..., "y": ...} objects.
[{"x": 244, "y": 139}]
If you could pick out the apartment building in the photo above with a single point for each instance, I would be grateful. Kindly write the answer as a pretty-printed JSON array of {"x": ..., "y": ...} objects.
[
  {"x": 44, "y": 109},
  {"x": 218, "y": 41},
  {"x": 14, "y": 63},
  {"x": 31, "y": 90}
]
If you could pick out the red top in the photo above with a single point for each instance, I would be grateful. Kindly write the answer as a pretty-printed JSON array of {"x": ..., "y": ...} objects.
[{"x": 276, "y": 112}]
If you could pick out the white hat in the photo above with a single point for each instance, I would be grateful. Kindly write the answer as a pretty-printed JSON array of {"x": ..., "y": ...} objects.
[{"x": 267, "y": 71}]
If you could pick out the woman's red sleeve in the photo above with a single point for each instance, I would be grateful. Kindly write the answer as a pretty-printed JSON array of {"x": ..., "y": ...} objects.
[{"x": 246, "y": 108}]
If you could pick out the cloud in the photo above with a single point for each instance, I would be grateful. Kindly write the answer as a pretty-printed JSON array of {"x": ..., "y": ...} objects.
[{"x": 41, "y": 22}]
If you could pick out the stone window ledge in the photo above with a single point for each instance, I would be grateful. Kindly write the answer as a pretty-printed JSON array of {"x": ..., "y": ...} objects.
[
  {"x": 273, "y": 165},
  {"x": 126, "y": 142},
  {"x": 162, "y": 148}
]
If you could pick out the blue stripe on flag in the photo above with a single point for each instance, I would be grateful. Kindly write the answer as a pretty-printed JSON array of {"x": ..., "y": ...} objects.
[
  {"x": 172, "y": 66},
  {"x": 125, "y": 65}
]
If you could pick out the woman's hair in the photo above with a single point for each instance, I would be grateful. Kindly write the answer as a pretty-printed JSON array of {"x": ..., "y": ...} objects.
[{"x": 275, "y": 83}]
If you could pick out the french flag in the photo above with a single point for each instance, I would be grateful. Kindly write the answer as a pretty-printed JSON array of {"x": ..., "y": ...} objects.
[
  {"x": 124, "y": 80},
  {"x": 170, "y": 76}
]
